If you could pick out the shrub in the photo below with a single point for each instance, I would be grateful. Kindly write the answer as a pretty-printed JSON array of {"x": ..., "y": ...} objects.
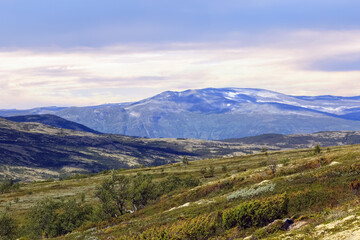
[
  {"x": 8, "y": 227},
  {"x": 211, "y": 171},
  {"x": 141, "y": 191},
  {"x": 272, "y": 164},
  {"x": 120, "y": 191},
  {"x": 201, "y": 227},
  {"x": 317, "y": 149},
  {"x": 185, "y": 161},
  {"x": 256, "y": 213},
  {"x": 173, "y": 182},
  {"x": 355, "y": 186},
  {"x": 303, "y": 200},
  {"x": 190, "y": 181},
  {"x": 8, "y": 185},
  {"x": 203, "y": 171},
  {"x": 50, "y": 218},
  {"x": 159, "y": 233},
  {"x": 113, "y": 194}
]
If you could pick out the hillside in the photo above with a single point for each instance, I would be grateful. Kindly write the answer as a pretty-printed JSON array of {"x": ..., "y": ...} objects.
[
  {"x": 215, "y": 113},
  {"x": 34, "y": 151},
  {"x": 320, "y": 201},
  {"x": 51, "y": 120},
  {"x": 31, "y": 151},
  {"x": 301, "y": 140}
]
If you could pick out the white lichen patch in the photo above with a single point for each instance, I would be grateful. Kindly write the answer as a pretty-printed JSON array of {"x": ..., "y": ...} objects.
[
  {"x": 264, "y": 182},
  {"x": 251, "y": 191},
  {"x": 200, "y": 202}
]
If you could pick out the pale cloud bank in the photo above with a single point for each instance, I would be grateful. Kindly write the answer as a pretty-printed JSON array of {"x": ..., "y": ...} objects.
[{"x": 298, "y": 63}]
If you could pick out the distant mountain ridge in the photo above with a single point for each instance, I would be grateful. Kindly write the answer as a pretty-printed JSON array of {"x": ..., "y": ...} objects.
[
  {"x": 52, "y": 120},
  {"x": 215, "y": 113},
  {"x": 296, "y": 141},
  {"x": 30, "y": 150}
]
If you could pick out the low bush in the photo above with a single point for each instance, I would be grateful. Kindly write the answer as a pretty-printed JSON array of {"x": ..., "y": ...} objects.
[
  {"x": 173, "y": 182},
  {"x": 8, "y": 227},
  {"x": 50, "y": 218},
  {"x": 198, "y": 228},
  {"x": 256, "y": 213},
  {"x": 303, "y": 200}
]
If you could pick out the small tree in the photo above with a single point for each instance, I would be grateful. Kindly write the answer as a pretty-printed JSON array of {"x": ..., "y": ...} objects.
[
  {"x": 185, "y": 161},
  {"x": 8, "y": 185},
  {"x": 224, "y": 168},
  {"x": 141, "y": 191},
  {"x": 211, "y": 171},
  {"x": 203, "y": 171},
  {"x": 317, "y": 149},
  {"x": 113, "y": 194},
  {"x": 355, "y": 186},
  {"x": 272, "y": 164}
]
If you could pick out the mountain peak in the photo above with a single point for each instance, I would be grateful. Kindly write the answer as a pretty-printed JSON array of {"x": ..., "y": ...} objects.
[{"x": 217, "y": 113}]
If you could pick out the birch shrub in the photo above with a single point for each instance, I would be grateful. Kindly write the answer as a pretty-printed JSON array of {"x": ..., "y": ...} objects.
[{"x": 256, "y": 213}]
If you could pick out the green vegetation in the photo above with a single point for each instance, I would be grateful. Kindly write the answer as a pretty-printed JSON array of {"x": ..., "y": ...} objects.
[
  {"x": 8, "y": 227},
  {"x": 201, "y": 200},
  {"x": 50, "y": 218},
  {"x": 185, "y": 160},
  {"x": 256, "y": 213},
  {"x": 8, "y": 185}
]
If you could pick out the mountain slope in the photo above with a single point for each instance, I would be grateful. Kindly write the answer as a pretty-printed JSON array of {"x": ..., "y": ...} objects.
[
  {"x": 36, "y": 150},
  {"x": 53, "y": 121},
  {"x": 301, "y": 140},
  {"x": 31, "y": 151},
  {"x": 216, "y": 114}
]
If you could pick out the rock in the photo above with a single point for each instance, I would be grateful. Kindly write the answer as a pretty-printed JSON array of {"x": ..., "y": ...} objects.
[{"x": 287, "y": 223}]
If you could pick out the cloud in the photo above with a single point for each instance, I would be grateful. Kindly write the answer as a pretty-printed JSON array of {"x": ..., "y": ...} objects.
[
  {"x": 341, "y": 63},
  {"x": 93, "y": 23},
  {"x": 302, "y": 62}
]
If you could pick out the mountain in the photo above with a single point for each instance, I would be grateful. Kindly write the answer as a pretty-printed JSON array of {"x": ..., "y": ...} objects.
[
  {"x": 53, "y": 121},
  {"x": 215, "y": 113}
]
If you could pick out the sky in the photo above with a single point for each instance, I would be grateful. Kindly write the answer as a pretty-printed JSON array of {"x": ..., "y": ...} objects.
[{"x": 90, "y": 52}]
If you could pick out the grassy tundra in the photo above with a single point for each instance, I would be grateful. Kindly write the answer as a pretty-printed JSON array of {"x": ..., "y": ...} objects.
[{"x": 222, "y": 198}]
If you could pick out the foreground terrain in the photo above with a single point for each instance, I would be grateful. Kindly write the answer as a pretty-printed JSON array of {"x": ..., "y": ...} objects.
[{"x": 320, "y": 201}]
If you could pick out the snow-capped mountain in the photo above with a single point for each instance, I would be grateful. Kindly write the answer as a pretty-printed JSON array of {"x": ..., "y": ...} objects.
[{"x": 215, "y": 113}]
